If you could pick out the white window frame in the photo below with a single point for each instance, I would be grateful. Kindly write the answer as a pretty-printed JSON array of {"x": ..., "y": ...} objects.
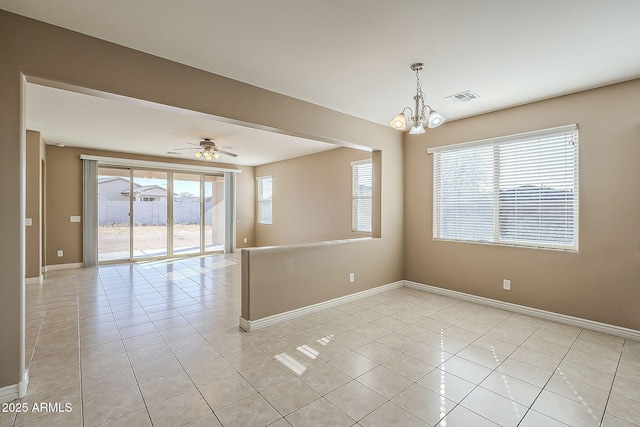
[
  {"x": 358, "y": 196},
  {"x": 523, "y": 196},
  {"x": 262, "y": 201}
]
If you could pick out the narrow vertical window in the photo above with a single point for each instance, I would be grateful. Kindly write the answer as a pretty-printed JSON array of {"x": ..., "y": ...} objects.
[
  {"x": 361, "y": 195},
  {"x": 265, "y": 196}
]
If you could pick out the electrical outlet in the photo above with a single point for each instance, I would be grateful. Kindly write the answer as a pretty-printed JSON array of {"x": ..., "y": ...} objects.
[
  {"x": 506, "y": 285},
  {"x": 245, "y": 240},
  {"x": 352, "y": 277},
  {"x": 60, "y": 253}
]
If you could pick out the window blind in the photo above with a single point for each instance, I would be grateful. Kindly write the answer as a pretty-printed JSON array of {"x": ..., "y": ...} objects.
[
  {"x": 519, "y": 190},
  {"x": 362, "y": 190}
]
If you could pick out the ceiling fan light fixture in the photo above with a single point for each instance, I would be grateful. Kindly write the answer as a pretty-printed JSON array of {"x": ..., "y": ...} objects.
[{"x": 208, "y": 150}]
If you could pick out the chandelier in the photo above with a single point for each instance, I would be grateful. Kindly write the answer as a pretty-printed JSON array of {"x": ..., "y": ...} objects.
[{"x": 423, "y": 114}]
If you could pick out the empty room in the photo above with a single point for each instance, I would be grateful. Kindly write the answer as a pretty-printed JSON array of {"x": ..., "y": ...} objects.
[{"x": 316, "y": 213}]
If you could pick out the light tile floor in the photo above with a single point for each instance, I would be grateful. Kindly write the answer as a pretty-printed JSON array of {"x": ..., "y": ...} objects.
[{"x": 158, "y": 344}]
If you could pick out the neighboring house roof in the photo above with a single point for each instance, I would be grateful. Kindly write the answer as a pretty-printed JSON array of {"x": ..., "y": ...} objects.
[
  {"x": 137, "y": 188},
  {"x": 148, "y": 190},
  {"x": 111, "y": 179}
]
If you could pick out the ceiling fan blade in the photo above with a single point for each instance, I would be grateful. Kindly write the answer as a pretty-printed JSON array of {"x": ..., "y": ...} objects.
[
  {"x": 227, "y": 153},
  {"x": 225, "y": 147},
  {"x": 186, "y": 148}
]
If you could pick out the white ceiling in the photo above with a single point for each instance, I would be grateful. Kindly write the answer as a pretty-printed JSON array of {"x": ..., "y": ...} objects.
[
  {"x": 353, "y": 56},
  {"x": 79, "y": 120}
]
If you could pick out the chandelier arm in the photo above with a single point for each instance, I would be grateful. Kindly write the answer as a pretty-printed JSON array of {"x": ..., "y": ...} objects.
[
  {"x": 411, "y": 116},
  {"x": 426, "y": 110}
]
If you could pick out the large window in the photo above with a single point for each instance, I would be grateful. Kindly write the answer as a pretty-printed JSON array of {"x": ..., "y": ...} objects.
[
  {"x": 519, "y": 190},
  {"x": 361, "y": 195},
  {"x": 265, "y": 198}
]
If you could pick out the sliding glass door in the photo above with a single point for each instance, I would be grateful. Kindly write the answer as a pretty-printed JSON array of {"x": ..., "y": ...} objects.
[
  {"x": 149, "y": 199},
  {"x": 187, "y": 214},
  {"x": 151, "y": 214},
  {"x": 114, "y": 233},
  {"x": 214, "y": 219}
]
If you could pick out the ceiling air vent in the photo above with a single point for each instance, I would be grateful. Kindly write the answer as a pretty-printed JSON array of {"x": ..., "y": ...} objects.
[{"x": 465, "y": 96}]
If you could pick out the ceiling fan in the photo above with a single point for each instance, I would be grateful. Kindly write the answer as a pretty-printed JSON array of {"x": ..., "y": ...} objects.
[{"x": 209, "y": 150}]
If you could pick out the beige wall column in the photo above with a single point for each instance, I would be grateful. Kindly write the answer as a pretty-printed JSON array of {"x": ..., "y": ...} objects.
[
  {"x": 33, "y": 232},
  {"x": 12, "y": 214}
]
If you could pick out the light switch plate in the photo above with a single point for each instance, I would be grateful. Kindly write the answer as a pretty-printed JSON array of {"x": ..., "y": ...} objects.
[
  {"x": 28, "y": 222},
  {"x": 75, "y": 218}
]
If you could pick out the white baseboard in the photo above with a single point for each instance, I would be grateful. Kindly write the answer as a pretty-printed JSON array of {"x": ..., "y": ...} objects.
[
  {"x": 63, "y": 266},
  {"x": 252, "y": 325},
  {"x": 9, "y": 393},
  {"x": 24, "y": 384},
  {"x": 534, "y": 312},
  {"x": 15, "y": 391},
  {"x": 33, "y": 280}
]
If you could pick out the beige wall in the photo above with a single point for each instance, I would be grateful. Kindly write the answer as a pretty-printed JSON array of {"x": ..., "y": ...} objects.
[
  {"x": 64, "y": 199},
  {"x": 311, "y": 198},
  {"x": 34, "y": 205},
  {"x": 245, "y": 196},
  {"x": 283, "y": 278},
  {"x": 602, "y": 281},
  {"x": 34, "y": 49}
]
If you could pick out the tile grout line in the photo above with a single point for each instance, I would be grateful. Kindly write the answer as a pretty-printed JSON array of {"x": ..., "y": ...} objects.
[
  {"x": 613, "y": 381},
  {"x": 79, "y": 352}
]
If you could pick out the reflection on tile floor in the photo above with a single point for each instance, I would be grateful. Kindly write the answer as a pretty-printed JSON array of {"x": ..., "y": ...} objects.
[{"x": 158, "y": 344}]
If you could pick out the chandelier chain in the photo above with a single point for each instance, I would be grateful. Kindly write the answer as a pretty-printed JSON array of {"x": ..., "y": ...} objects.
[{"x": 419, "y": 83}]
